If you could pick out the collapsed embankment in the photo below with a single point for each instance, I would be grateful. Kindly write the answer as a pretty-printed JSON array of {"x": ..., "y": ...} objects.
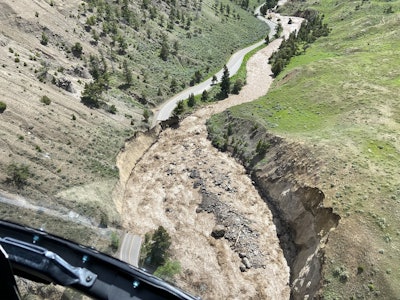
[
  {"x": 286, "y": 174},
  {"x": 132, "y": 152}
]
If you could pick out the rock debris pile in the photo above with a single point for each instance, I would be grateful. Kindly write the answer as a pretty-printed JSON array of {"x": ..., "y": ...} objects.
[{"x": 235, "y": 228}]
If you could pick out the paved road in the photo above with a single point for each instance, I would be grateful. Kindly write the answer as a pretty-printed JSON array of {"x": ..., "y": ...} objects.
[
  {"x": 233, "y": 65},
  {"x": 130, "y": 249}
]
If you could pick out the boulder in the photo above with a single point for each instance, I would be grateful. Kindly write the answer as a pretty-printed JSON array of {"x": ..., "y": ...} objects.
[
  {"x": 81, "y": 72},
  {"x": 218, "y": 231},
  {"x": 246, "y": 262},
  {"x": 65, "y": 84}
]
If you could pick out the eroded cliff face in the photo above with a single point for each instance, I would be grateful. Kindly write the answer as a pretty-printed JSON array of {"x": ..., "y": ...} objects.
[
  {"x": 286, "y": 174},
  {"x": 132, "y": 152},
  {"x": 304, "y": 227}
]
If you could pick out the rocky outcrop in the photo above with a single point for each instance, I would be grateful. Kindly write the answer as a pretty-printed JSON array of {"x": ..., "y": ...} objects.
[
  {"x": 79, "y": 71},
  {"x": 65, "y": 84}
]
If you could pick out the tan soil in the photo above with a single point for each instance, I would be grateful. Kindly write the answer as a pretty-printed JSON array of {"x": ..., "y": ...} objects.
[{"x": 160, "y": 191}]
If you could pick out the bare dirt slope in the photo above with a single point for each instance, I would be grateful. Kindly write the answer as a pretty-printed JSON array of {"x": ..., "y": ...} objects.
[{"x": 184, "y": 184}]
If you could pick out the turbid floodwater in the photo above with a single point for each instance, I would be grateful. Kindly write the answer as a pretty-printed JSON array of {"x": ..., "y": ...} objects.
[{"x": 186, "y": 185}]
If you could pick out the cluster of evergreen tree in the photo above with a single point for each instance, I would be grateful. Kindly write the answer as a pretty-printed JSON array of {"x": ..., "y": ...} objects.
[
  {"x": 159, "y": 255},
  {"x": 91, "y": 94},
  {"x": 225, "y": 85},
  {"x": 288, "y": 48},
  {"x": 156, "y": 256},
  {"x": 118, "y": 24},
  {"x": 313, "y": 28},
  {"x": 310, "y": 30},
  {"x": 159, "y": 250},
  {"x": 269, "y": 4},
  {"x": 117, "y": 21},
  {"x": 196, "y": 78},
  {"x": 114, "y": 17}
]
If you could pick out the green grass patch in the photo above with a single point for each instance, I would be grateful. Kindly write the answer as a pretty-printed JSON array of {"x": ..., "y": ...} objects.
[
  {"x": 282, "y": 116},
  {"x": 381, "y": 151}
]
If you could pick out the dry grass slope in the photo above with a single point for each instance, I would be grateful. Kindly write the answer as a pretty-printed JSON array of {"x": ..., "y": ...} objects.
[
  {"x": 64, "y": 143},
  {"x": 70, "y": 149}
]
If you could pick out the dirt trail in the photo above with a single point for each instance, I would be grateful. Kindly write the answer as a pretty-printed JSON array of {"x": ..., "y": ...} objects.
[{"x": 184, "y": 184}]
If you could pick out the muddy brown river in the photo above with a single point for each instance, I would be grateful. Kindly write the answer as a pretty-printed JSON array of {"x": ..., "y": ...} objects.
[{"x": 184, "y": 184}]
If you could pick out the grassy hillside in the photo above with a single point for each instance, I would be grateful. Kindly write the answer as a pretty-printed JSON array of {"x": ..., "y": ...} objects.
[
  {"x": 198, "y": 36},
  {"x": 342, "y": 97},
  {"x": 59, "y": 151}
]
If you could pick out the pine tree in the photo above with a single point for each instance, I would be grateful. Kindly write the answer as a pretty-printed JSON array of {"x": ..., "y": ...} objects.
[
  {"x": 146, "y": 115},
  {"x": 173, "y": 85},
  {"x": 91, "y": 95},
  {"x": 77, "y": 49},
  {"x": 45, "y": 39},
  {"x": 214, "y": 80},
  {"x": 123, "y": 45},
  {"x": 197, "y": 76},
  {"x": 127, "y": 73},
  {"x": 164, "y": 48},
  {"x": 160, "y": 247},
  {"x": 237, "y": 86},
  {"x": 191, "y": 100},
  {"x": 204, "y": 96},
  {"x": 125, "y": 12},
  {"x": 225, "y": 84},
  {"x": 176, "y": 47},
  {"x": 179, "y": 109}
]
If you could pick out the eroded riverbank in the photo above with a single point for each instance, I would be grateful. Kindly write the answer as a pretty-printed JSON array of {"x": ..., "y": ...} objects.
[{"x": 184, "y": 184}]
